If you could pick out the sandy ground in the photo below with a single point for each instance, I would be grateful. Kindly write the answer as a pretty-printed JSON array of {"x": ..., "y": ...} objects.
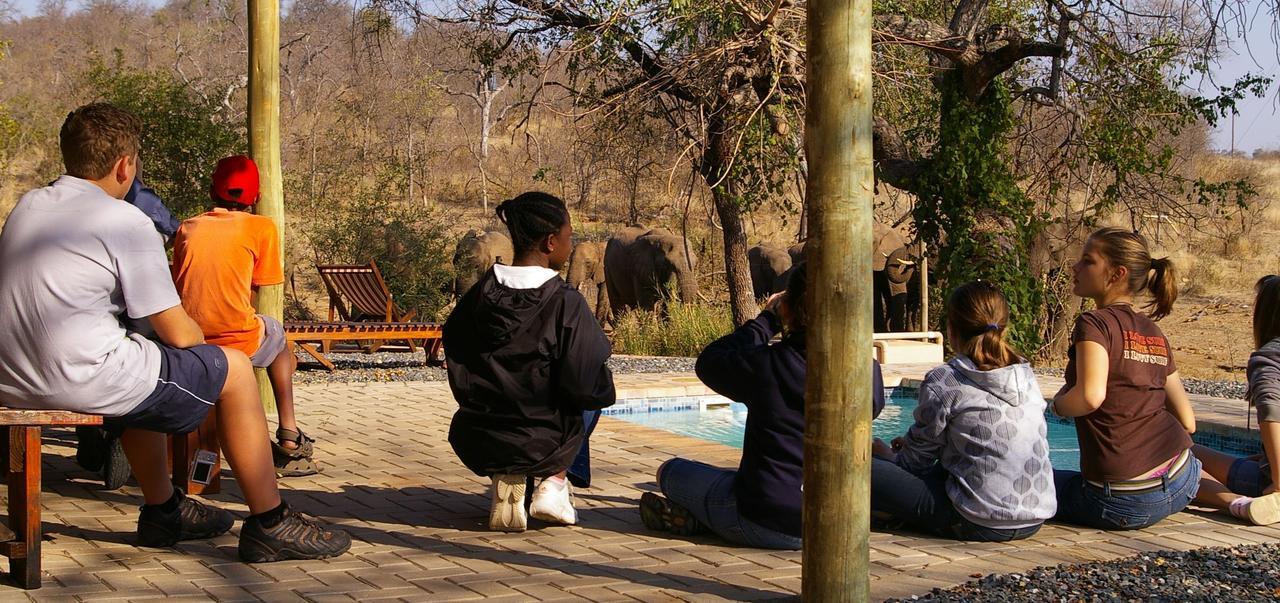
[{"x": 1212, "y": 336}]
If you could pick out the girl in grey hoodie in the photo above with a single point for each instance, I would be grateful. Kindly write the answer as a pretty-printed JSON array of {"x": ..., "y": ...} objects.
[
  {"x": 975, "y": 465},
  {"x": 1246, "y": 487}
]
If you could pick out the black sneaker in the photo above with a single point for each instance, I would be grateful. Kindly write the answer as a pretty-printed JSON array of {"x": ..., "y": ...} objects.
[
  {"x": 116, "y": 469},
  {"x": 297, "y": 536},
  {"x": 190, "y": 521},
  {"x": 91, "y": 448}
]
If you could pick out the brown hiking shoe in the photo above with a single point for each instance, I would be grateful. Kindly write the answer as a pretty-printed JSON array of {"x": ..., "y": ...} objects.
[
  {"x": 297, "y": 536},
  {"x": 192, "y": 520}
]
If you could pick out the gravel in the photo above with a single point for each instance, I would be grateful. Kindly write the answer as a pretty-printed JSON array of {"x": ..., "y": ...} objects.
[
  {"x": 1232, "y": 390},
  {"x": 406, "y": 366},
  {"x": 1243, "y": 573}
]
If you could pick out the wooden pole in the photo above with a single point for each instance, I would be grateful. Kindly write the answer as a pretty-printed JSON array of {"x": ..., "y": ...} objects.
[
  {"x": 924, "y": 286},
  {"x": 837, "y": 439},
  {"x": 264, "y": 143}
]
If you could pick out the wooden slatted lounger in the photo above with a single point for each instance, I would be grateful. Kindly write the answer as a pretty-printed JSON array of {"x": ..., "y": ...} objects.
[{"x": 305, "y": 335}]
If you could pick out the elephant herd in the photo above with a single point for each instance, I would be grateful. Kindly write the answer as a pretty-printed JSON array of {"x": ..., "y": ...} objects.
[{"x": 638, "y": 267}]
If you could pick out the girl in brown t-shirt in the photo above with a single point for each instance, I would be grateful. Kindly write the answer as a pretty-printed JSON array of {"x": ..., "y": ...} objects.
[{"x": 1133, "y": 419}]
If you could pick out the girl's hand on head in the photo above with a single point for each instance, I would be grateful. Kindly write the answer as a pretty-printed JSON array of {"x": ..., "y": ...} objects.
[{"x": 774, "y": 301}]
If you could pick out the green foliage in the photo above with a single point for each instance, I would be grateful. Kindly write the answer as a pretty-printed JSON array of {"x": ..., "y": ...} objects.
[
  {"x": 1142, "y": 109},
  {"x": 409, "y": 244},
  {"x": 686, "y": 329},
  {"x": 970, "y": 198},
  {"x": 765, "y": 160},
  {"x": 184, "y": 134},
  {"x": 9, "y": 127}
]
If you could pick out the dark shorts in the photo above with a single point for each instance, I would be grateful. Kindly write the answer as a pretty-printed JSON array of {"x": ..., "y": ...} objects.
[
  {"x": 190, "y": 381},
  {"x": 1248, "y": 477}
]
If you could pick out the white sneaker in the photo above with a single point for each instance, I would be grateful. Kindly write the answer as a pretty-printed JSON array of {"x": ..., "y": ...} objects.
[
  {"x": 553, "y": 502},
  {"x": 507, "y": 514},
  {"x": 1262, "y": 510}
]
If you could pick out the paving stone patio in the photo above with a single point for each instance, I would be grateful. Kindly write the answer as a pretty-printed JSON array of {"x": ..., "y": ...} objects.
[{"x": 419, "y": 518}]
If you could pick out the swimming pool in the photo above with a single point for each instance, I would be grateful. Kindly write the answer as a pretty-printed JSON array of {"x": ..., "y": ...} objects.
[{"x": 717, "y": 419}]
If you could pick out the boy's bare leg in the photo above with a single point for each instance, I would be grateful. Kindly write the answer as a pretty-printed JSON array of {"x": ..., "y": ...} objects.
[
  {"x": 281, "y": 372},
  {"x": 148, "y": 454},
  {"x": 242, "y": 432}
]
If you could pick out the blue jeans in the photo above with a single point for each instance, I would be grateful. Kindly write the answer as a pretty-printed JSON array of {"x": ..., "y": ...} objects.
[
  {"x": 580, "y": 470},
  {"x": 1082, "y": 503},
  {"x": 922, "y": 502},
  {"x": 707, "y": 493},
  {"x": 1248, "y": 477}
]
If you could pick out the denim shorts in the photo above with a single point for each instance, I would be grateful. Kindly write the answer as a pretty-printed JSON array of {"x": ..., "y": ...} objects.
[
  {"x": 190, "y": 381},
  {"x": 1082, "y": 503},
  {"x": 707, "y": 493},
  {"x": 1248, "y": 477}
]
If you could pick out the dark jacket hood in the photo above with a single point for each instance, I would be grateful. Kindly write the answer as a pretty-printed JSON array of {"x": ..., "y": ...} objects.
[{"x": 502, "y": 312}]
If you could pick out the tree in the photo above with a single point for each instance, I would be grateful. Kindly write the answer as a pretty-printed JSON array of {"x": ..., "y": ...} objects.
[
  {"x": 729, "y": 77},
  {"x": 183, "y": 135}
]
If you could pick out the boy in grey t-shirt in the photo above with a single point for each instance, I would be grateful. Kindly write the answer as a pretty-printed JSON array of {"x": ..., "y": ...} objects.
[{"x": 78, "y": 260}]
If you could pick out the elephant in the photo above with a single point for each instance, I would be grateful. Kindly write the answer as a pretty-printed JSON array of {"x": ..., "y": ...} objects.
[
  {"x": 768, "y": 264},
  {"x": 586, "y": 274},
  {"x": 640, "y": 264},
  {"x": 475, "y": 254},
  {"x": 893, "y": 265},
  {"x": 893, "y": 270},
  {"x": 796, "y": 252}
]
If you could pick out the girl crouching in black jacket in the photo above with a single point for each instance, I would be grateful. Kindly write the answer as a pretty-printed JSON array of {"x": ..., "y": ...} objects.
[{"x": 526, "y": 361}]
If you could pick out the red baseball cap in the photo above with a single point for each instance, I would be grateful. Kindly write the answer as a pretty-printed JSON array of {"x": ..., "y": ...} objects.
[{"x": 235, "y": 180}]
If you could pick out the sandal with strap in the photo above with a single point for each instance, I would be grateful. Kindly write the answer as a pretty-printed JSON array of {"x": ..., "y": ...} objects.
[
  {"x": 662, "y": 515},
  {"x": 303, "y": 441},
  {"x": 293, "y": 462}
]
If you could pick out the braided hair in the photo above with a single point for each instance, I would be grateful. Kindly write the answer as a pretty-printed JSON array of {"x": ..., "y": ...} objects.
[{"x": 531, "y": 217}]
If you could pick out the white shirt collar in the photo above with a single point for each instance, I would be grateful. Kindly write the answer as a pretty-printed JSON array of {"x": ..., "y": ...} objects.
[{"x": 523, "y": 277}]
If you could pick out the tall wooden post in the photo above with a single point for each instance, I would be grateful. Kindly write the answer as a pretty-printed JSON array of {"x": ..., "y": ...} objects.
[
  {"x": 264, "y": 143},
  {"x": 837, "y": 439},
  {"x": 924, "y": 286}
]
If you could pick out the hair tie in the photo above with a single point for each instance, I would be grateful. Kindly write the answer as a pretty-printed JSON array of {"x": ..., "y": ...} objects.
[{"x": 993, "y": 327}]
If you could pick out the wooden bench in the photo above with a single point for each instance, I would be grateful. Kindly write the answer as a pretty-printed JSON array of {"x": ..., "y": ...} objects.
[
  {"x": 306, "y": 336},
  {"x": 21, "y": 467}
]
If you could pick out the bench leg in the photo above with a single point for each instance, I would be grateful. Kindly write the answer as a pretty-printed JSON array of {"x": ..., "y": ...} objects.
[
  {"x": 24, "y": 505},
  {"x": 184, "y": 452},
  {"x": 318, "y": 355}
]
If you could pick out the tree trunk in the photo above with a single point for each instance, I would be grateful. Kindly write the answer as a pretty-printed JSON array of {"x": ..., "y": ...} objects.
[{"x": 736, "y": 268}]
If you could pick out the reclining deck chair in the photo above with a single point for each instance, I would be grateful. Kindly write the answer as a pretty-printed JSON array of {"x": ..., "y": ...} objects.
[
  {"x": 357, "y": 293},
  {"x": 361, "y": 310}
]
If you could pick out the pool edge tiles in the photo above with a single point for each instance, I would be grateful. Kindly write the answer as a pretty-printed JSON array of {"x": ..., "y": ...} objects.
[
  {"x": 672, "y": 402},
  {"x": 639, "y": 405}
]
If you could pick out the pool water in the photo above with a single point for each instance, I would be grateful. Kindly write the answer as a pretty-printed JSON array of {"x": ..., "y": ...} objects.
[{"x": 725, "y": 422}]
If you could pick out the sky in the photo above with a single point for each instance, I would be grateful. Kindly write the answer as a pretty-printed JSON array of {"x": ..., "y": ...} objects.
[{"x": 1256, "y": 127}]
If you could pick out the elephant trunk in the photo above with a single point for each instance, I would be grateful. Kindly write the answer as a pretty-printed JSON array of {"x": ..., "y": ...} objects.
[{"x": 688, "y": 283}]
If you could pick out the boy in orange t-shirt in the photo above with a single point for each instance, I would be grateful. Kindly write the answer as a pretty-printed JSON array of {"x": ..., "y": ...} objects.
[{"x": 220, "y": 258}]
